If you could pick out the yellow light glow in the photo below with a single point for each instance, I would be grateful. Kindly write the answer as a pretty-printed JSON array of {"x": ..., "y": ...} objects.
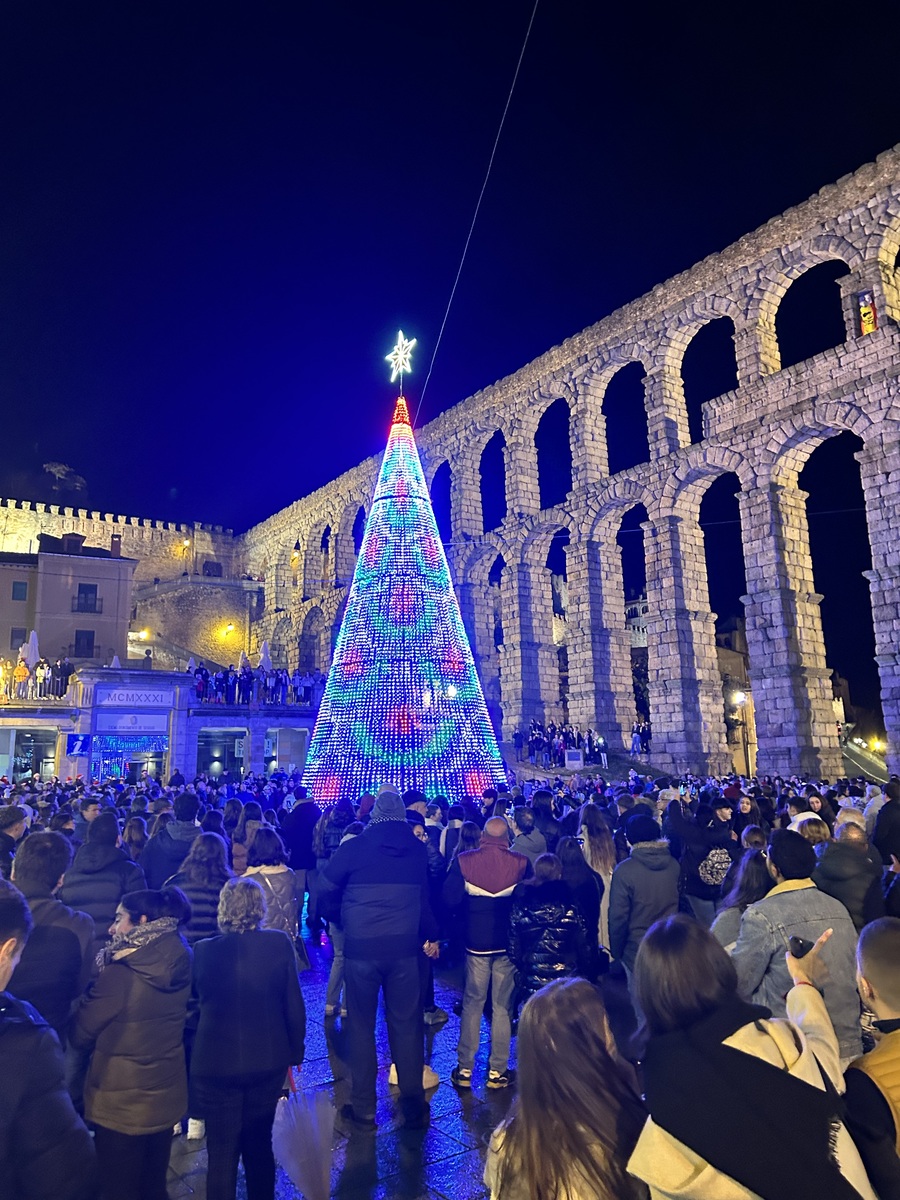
[
  {"x": 739, "y": 697},
  {"x": 186, "y": 542},
  {"x": 229, "y": 627},
  {"x": 143, "y": 635},
  {"x": 876, "y": 745}
]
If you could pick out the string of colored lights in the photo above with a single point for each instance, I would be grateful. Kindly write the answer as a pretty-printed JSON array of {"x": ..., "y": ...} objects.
[{"x": 403, "y": 703}]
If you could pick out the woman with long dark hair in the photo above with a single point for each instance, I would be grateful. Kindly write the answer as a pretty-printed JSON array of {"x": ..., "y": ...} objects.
[
  {"x": 251, "y": 820},
  {"x": 134, "y": 837},
  {"x": 715, "y": 1064},
  {"x": 133, "y": 1020},
  {"x": 752, "y": 882},
  {"x": 599, "y": 851},
  {"x": 203, "y": 874},
  {"x": 577, "y": 1115},
  {"x": 585, "y": 885}
]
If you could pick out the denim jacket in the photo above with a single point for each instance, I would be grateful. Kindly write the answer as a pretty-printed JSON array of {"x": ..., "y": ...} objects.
[{"x": 797, "y": 908}]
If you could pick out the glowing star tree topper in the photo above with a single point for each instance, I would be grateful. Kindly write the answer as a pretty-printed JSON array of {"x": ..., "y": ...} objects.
[
  {"x": 403, "y": 704},
  {"x": 400, "y": 358}
]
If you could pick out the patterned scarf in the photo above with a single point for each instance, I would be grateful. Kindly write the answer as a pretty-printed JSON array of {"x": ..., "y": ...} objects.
[{"x": 142, "y": 935}]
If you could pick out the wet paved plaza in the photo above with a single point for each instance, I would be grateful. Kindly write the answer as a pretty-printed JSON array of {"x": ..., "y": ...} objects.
[{"x": 446, "y": 1160}]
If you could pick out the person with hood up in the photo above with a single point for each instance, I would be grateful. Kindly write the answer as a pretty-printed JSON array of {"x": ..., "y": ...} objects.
[
  {"x": 380, "y": 880},
  {"x": 644, "y": 889},
  {"x": 100, "y": 876},
  {"x": 133, "y": 1022},
  {"x": 163, "y": 855}
]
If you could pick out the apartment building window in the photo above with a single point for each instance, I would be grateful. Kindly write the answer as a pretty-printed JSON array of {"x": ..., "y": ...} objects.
[
  {"x": 87, "y": 600},
  {"x": 16, "y": 638},
  {"x": 19, "y": 589},
  {"x": 84, "y": 643}
]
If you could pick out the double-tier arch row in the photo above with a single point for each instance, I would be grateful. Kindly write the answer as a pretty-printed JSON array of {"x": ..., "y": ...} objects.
[{"x": 737, "y": 369}]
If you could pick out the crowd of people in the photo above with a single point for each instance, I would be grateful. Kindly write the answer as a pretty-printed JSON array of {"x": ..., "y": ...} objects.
[
  {"x": 756, "y": 924},
  {"x": 546, "y": 745},
  {"x": 259, "y": 685},
  {"x": 45, "y": 680}
]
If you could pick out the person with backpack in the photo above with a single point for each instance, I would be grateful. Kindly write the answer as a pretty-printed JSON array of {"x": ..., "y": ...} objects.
[{"x": 709, "y": 847}]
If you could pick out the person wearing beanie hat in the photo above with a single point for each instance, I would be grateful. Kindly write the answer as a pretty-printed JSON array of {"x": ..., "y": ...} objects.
[
  {"x": 644, "y": 889},
  {"x": 376, "y": 886}
]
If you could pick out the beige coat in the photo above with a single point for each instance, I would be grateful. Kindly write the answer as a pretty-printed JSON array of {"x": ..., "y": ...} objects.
[
  {"x": 579, "y": 1187},
  {"x": 674, "y": 1172}
]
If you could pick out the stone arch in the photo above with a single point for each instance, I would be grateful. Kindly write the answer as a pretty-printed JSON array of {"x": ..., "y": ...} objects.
[
  {"x": 492, "y": 481},
  {"x": 553, "y": 448},
  {"x": 708, "y": 369},
  {"x": 347, "y": 546},
  {"x": 697, "y": 468},
  {"x": 311, "y": 647},
  {"x": 791, "y": 444},
  {"x": 281, "y": 643},
  {"x": 318, "y": 562},
  {"x": 810, "y": 314},
  {"x": 441, "y": 489},
  {"x": 625, "y": 417}
]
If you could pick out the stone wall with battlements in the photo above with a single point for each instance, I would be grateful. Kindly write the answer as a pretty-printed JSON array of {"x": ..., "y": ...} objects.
[{"x": 159, "y": 546}]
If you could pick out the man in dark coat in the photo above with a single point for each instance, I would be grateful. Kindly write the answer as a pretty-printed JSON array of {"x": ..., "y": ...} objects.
[
  {"x": 45, "y": 1150},
  {"x": 887, "y": 824},
  {"x": 99, "y": 877},
  {"x": 381, "y": 881},
  {"x": 12, "y": 827},
  {"x": 55, "y": 967},
  {"x": 163, "y": 855},
  {"x": 297, "y": 831},
  {"x": 644, "y": 889},
  {"x": 847, "y": 870}
]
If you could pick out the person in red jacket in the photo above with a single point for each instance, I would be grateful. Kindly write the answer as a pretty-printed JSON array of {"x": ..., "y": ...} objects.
[{"x": 481, "y": 883}]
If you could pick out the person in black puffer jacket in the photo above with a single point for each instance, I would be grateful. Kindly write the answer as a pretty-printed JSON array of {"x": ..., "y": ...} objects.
[
  {"x": 203, "y": 874},
  {"x": 848, "y": 871},
  {"x": 548, "y": 936},
  {"x": 709, "y": 847},
  {"x": 100, "y": 876}
]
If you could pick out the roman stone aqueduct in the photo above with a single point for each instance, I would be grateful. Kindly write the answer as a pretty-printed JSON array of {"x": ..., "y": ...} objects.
[{"x": 763, "y": 431}]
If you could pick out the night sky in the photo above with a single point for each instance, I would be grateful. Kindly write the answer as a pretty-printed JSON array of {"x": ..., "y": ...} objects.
[{"x": 214, "y": 217}]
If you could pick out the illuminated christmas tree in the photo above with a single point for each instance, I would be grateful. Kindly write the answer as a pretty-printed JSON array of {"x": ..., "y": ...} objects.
[{"x": 403, "y": 703}]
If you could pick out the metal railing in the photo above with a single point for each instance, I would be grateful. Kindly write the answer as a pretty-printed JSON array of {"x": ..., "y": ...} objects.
[{"x": 87, "y": 604}]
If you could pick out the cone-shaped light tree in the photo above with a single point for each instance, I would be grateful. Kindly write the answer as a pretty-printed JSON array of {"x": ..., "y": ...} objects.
[{"x": 403, "y": 704}]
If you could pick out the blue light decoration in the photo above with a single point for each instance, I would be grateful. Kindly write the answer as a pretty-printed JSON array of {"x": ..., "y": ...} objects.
[{"x": 403, "y": 704}]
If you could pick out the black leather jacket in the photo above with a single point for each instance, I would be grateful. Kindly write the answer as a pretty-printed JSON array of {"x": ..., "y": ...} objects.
[{"x": 548, "y": 937}]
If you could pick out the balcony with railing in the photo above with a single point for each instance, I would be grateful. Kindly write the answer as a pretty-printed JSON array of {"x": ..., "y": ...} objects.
[{"x": 87, "y": 604}]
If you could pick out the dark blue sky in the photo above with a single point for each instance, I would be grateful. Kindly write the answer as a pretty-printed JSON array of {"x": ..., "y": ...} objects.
[{"x": 215, "y": 216}]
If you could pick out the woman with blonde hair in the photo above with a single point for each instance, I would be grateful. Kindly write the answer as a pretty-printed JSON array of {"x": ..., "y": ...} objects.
[
  {"x": 578, "y": 1114},
  {"x": 250, "y": 1027},
  {"x": 599, "y": 851}
]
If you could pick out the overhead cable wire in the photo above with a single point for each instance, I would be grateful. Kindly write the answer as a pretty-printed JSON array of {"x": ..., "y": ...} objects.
[{"x": 487, "y": 176}]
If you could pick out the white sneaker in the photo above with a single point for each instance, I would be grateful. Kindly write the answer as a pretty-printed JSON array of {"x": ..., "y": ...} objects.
[
  {"x": 196, "y": 1130},
  {"x": 430, "y": 1077}
]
